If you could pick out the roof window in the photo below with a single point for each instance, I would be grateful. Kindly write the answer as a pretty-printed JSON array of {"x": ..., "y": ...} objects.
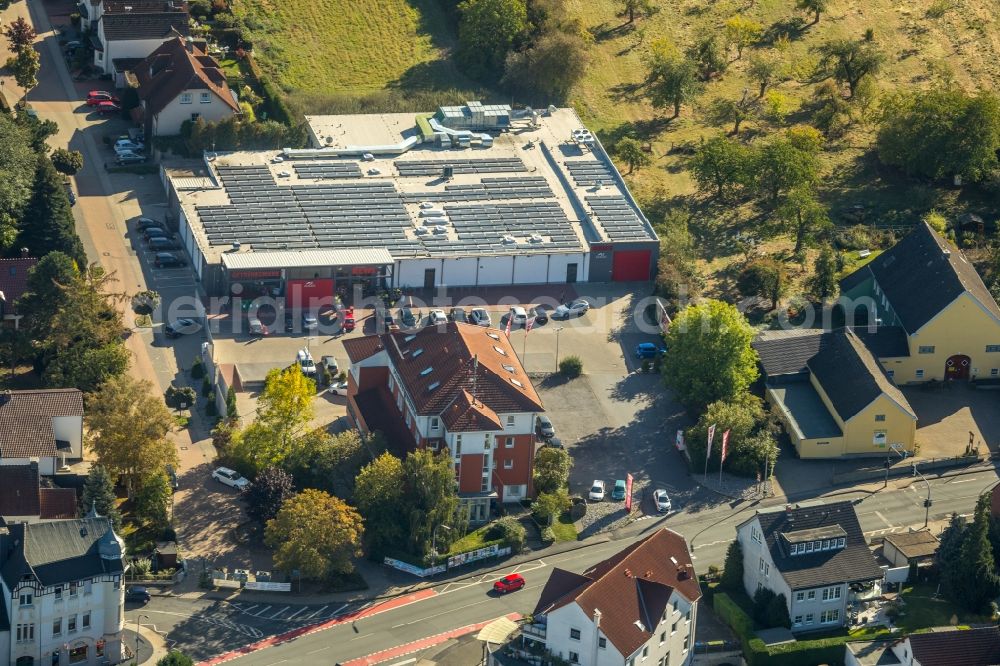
[
  {"x": 516, "y": 383},
  {"x": 433, "y": 386},
  {"x": 493, "y": 335},
  {"x": 410, "y": 338},
  {"x": 426, "y": 371},
  {"x": 509, "y": 368},
  {"x": 499, "y": 350},
  {"x": 417, "y": 352}
]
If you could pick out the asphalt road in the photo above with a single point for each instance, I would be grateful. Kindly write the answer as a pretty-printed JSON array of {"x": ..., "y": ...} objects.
[{"x": 207, "y": 629}]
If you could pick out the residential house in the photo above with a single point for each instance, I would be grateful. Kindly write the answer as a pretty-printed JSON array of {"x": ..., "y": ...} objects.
[
  {"x": 63, "y": 598},
  {"x": 126, "y": 31},
  {"x": 24, "y": 498},
  {"x": 833, "y": 395},
  {"x": 13, "y": 282},
  {"x": 941, "y": 647},
  {"x": 179, "y": 81},
  {"x": 910, "y": 548},
  {"x": 42, "y": 425},
  {"x": 816, "y": 556},
  {"x": 458, "y": 387},
  {"x": 639, "y": 607},
  {"x": 931, "y": 292}
]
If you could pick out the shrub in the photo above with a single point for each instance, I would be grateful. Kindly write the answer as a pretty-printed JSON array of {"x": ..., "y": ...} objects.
[
  {"x": 571, "y": 367},
  {"x": 142, "y": 566},
  {"x": 732, "y": 572},
  {"x": 197, "y": 368},
  {"x": 210, "y": 407},
  {"x": 761, "y": 602},
  {"x": 206, "y": 386},
  {"x": 510, "y": 531},
  {"x": 777, "y": 613},
  {"x": 175, "y": 397},
  {"x": 68, "y": 162},
  {"x": 548, "y": 536}
]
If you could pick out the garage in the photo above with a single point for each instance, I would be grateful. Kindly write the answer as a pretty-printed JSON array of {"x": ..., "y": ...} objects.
[{"x": 631, "y": 265}]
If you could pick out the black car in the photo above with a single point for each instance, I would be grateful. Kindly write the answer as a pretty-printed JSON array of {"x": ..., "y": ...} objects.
[
  {"x": 137, "y": 593},
  {"x": 168, "y": 260},
  {"x": 540, "y": 314},
  {"x": 161, "y": 243},
  {"x": 384, "y": 319},
  {"x": 407, "y": 318},
  {"x": 458, "y": 314},
  {"x": 144, "y": 223},
  {"x": 155, "y": 232}
]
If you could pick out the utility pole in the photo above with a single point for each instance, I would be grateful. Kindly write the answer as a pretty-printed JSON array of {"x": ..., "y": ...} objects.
[{"x": 927, "y": 502}]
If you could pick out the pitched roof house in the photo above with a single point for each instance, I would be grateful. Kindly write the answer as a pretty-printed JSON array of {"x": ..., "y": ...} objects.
[
  {"x": 125, "y": 32},
  {"x": 815, "y": 555},
  {"x": 179, "y": 81},
  {"x": 933, "y": 294},
  {"x": 833, "y": 394},
  {"x": 43, "y": 424},
  {"x": 23, "y": 498},
  {"x": 458, "y": 387},
  {"x": 941, "y": 647},
  {"x": 639, "y": 606}
]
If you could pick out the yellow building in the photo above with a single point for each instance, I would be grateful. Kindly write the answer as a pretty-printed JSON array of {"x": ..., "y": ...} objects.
[
  {"x": 932, "y": 295},
  {"x": 833, "y": 395}
]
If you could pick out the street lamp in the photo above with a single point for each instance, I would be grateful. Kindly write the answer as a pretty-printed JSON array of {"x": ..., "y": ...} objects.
[
  {"x": 902, "y": 456},
  {"x": 434, "y": 535},
  {"x": 558, "y": 331},
  {"x": 927, "y": 502},
  {"x": 138, "y": 617}
]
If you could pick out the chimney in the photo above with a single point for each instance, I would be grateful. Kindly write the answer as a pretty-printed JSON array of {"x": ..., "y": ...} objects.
[
  {"x": 4, "y": 397},
  {"x": 597, "y": 618},
  {"x": 24, "y": 253},
  {"x": 788, "y": 512},
  {"x": 189, "y": 45},
  {"x": 628, "y": 572}
]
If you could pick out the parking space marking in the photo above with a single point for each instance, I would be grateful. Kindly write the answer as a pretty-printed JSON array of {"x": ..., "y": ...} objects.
[
  {"x": 258, "y": 613},
  {"x": 277, "y": 613},
  {"x": 309, "y": 617},
  {"x": 292, "y": 616}
]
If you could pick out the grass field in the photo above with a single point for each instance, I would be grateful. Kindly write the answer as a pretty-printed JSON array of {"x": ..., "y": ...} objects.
[{"x": 923, "y": 609}]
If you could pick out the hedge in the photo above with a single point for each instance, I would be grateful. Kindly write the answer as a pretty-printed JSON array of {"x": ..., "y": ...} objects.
[{"x": 736, "y": 619}]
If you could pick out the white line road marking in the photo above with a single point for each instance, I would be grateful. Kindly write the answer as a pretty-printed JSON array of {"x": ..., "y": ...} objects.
[
  {"x": 309, "y": 617},
  {"x": 277, "y": 613},
  {"x": 964, "y": 481},
  {"x": 882, "y": 518},
  {"x": 407, "y": 661},
  {"x": 319, "y": 650},
  {"x": 258, "y": 613},
  {"x": 296, "y": 612}
]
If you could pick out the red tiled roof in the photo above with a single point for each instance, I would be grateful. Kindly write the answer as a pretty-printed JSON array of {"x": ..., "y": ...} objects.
[
  {"x": 56, "y": 503},
  {"x": 358, "y": 349},
  {"x": 470, "y": 415},
  {"x": 14, "y": 277},
  {"x": 633, "y": 586},
  {"x": 380, "y": 413},
  {"x": 173, "y": 68},
  {"x": 971, "y": 647},
  {"x": 19, "y": 490}
]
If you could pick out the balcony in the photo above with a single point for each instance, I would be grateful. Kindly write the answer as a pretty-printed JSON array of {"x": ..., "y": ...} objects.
[{"x": 534, "y": 631}]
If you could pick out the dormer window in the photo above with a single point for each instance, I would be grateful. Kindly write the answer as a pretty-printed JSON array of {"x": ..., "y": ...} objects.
[{"x": 814, "y": 540}]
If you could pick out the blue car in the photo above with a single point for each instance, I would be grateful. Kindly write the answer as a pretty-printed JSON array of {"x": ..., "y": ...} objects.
[
  {"x": 618, "y": 494},
  {"x": 648, "y": 350}
]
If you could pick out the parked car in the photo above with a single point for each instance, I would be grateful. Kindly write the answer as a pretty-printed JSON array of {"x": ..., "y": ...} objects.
[
  {"x": 596, "y": 493},
  {"x": 137, "y": 594},
  {"x": 509, "y": 583},
  {"x": 649, "y": 350},
  {"x": 554, "y": 442},
  {"x": 179, "y": 327},
  {"x": 155, "y": 232},
  {"x": 480, "y": 317},
  {"x": 576, "y": 308},
  {"x": 128, "y": 144},
  {"x": 618, "y": 492},
  {"x": 143, "y": 223},
  {"x": 458, "y": 314},
  {"x": 384, "y": 319},
  {"x": 407, "y": 318},
  {"x": 348, "y": 324},
  {"x": 95, "y": 97},
  {"x": 662, "y": 501},
  {"x": 257, "y": 328},
  {"x": 338, "y": 388},
  {"x": 128, "y": 157},
  {"x": 172, "y": 474},
  {"x": 160, "y": 244},
  {"x": 108, "y": 108},
  {"x": 540, "y": 313},
  {"x": 231, "y": 478},
  {"x": 168, "y": 260},
  {"x": 435, "y": 317},
  {"x": 517, "y": 316},
  {"x": 544, "y": 427},
  {"x": 331, "y": 364},
  {"x": 306, "y": 363},
  {"x": 309, "y": 320}
]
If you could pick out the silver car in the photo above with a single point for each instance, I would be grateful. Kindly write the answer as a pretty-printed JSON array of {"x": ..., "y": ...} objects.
[
  {"x": 662, "y": 501},
  {"x": 231, "y": 478}
]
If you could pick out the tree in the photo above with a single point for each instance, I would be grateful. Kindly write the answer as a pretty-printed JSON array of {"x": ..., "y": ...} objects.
[
  {"x": 978, "y": 583},
  {"x": 17, "y": 174},
  {"x": 634, "y": 8},
  {"x": 99, "y": 494},
  {"x": 804, "y": 216},
  {"x": 631, "y": 153},
  {"x": 549, "y": 505},
  {"x": 48, "y": 224},
  {"x": 571, "y": 367},
  {"x": 68, "y": 162},
  {"x": 765, "y": 277},
  {"x": 175, "y": 658},
  {"x": 732, "y": 571},
  {"x": 672, "y": 78},
  {"x": 941, "y": 133},
  {"x": 947, "y": 560},
  {"x": 231, "y": 410},
  {"x": 46, "y": 292},
  {"x": 20, "y": 35},
  {"x": 720, "y": 164},
  {"x": 763, "y": 70},
  {"x": 550, "y": 67},
  {"x": 762, "y": 599},
  {"x": 823, "y": 282},
  {"x": 743, "y": 416},
  {"x": 315, "y": 533},
  {"x": 723, "y": 111},
  {"x": 264, "y": 497},
  {"x": 815, "y": 6},
  {"x": 25, "y": 66},
  {"x": 742, "y": 32},
  {"x": 429, "y": 499},
  {"x": 709, "y": 355},
  {"x": 784, "y": 163},
  {"x": 152, "y": 503},
  {"x": 708, "y": 55},
  {"x": 551, "y": 471},
  {"x": 331, "y": 462},
  {"x": 378, "y": 493},
  {"x": 180, "y": 398},
  {"x": 850, "y": 61},
  {"x": 777, "y": 612},
  {"x": 510, "y": 530},
  {"x": 487, "y": 30},
  {"x": 128, "y": 428}
]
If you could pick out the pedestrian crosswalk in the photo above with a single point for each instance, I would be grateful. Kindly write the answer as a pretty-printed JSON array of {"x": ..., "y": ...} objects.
[{"x": 288, "y": 613}]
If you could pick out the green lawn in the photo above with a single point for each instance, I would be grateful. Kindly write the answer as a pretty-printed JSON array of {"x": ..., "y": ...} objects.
[
  {"x": 471, "y": 541},
  {"x": 564, "y": 529},
  {"x": 923, "y": 610}
]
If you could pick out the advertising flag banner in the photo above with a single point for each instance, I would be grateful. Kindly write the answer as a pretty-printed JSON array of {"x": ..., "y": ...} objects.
[
  {"x": 528, "y": 325},
  {"x": 725, "y": 447},
  {"x": 506, "y": 331},
  {"x": 628, "y": 493},
  {"x": 680, "y": 440},
  {"x": 711, "y": 436}
]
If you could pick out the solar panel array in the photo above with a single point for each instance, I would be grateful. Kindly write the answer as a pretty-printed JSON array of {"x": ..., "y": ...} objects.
[
  {"x": 532, "y": 187},
  {"x": 332, "y": 170},
  {"x": 587, "y": 172},
  {"x": 436, "y": 167},
  {"x": 484, "y": 226},
  {"x": 618, "y": 218}
]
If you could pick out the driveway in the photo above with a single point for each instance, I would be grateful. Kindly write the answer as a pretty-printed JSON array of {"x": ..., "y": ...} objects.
[{"x": 947, "y": 414}]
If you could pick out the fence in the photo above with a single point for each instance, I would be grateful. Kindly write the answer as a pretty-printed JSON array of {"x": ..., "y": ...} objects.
[{"x": 456, "y": 560}]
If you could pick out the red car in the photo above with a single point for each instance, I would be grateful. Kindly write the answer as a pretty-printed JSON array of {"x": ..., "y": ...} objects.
[
  {"x": 96, "y": 97},
  {"x": 509, "y": 583},
  {"x": 108, "y": 107},
  {"x": 349, "y": 320}
]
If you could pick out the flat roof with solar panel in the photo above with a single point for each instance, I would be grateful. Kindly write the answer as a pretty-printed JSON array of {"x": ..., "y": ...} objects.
[{"x": 419, "y": 185}]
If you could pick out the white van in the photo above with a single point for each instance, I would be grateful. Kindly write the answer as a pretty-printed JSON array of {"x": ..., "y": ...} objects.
[{"x": 306, "y": 363}]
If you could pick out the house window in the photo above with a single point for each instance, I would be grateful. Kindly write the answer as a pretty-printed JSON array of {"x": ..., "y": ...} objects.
[
  {"x": 761, "y": 567},
  {"x": 994, "y": 372},
  {"x": 754, "y": 535},
  {"x": 663, "y": 637},
  {"x": 508, "y": 464},
  {"x": 73, "y": 587},
  {"x": 920, "y": 374},
  {"x": 767, "y": 570},
  {"x": 25, "y": 632},
  {"x": 663, "y": 661},
  {"x": 195, "y": 117},
  {"x": 26, "y": 598},
  {"x": 879, "y": 417},
  {"x": 486, "y": 443},
  {"x": 812, "y": 594},
  {"x": 185, "y": 98},
  {"x": 992, "y": 348},
  {"x": 407, "y": 419},
  {"x": 58, "y": 591},
  {"x": 602, "y": 642},
  {"x": 831, "y": 593},
  {"x": 840, "y": 542},
  {"x": 57, "y": 626},
  {"x": 574, "y": 634},
  {"x": 686, "y": 640},
  {"x": 485, "y": 485},
  {"x": 574, "y": 658},
  {"x": 809, "y": 547},
  {"x": 100, "y": 56},
  {"x": 435, "y": 423},
  {"x": 508, "y": 442},
  {"x": 798, "y": 621},
  {"x": 827, "y": 617},
  {"x": 879, "y": 437},
  {"x": 800, "y": 596},
  {"x": 645, "y": 652},
  {"x": 392, "y": 382},
  {"x": 71, "y": 623},
  {"x": 86, "y": 620},
  {"x": 673, "y": 629},
  {"x": 891, "y": 373},
  {"x": 510, "y": 420},
  {"x": 925, "y": 349},
  {"x": 809, "y": 618},
  {"x": 206, "y": 98}
]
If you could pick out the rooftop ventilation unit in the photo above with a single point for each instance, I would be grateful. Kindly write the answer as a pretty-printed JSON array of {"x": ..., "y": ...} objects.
[
  {"x": 422, "y": 231},
  {"x": 448, "y": 172},
  {"x": 432, "y": 212},
  {"x": 439, "y": 229},
  {"x": 508, "y": 240},
  {"x": 536, "y": 238},
  {"x": 328, "y": 140}
]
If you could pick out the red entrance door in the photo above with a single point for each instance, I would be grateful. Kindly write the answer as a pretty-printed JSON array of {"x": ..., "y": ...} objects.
[{"x": 957, "y": 367}]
